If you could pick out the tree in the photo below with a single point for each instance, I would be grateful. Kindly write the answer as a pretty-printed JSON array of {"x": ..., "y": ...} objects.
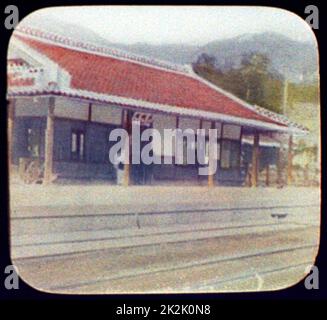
[
  {"x": 254, "y": 73},
  {"x": 206, "y": 61},
  {"x": 252, "y": 81}
]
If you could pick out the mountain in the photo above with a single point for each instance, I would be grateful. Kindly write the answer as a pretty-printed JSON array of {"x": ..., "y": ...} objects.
[{"x": 295, "y": 60}]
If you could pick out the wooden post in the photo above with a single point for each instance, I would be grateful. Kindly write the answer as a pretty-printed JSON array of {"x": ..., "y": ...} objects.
[
  {"x": 196, "y": 141},
  {"x": 10, "y": 132},
  {"x": 127, "y": 127},
  {"x": 255, "y": 160},
  {"x": 211, "y": 182},
  {"x": 279, "y": 166},
  {"x": 175, "y": 149},
  {"x": 89, "y": 115},
  {"x": 289, "y": 161},
  {"x": 267, "y": 175},
  {"x": 49, "y": 137},
  {"x": 126, "y": 180}
]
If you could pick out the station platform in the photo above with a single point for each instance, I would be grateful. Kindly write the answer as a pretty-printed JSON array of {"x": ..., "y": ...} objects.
[{"x": 56, "y": 220}]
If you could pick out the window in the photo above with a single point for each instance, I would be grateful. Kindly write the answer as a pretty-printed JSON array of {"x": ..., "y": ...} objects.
[
  {"x": 77, "y": 145},
  {"x": 189, "y": 150},
  {"x": 204, "y": 155},
  {"x": 230, "y": 154},
  {"x": 202, "y": 151},
  {"x": 33, "y": 142}
]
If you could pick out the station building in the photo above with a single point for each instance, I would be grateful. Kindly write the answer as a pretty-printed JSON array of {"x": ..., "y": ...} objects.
[{"x": 65, "y": 97}]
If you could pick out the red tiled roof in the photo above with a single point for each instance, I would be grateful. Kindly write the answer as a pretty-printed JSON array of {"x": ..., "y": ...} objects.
[{"x": 113, "y": 76}]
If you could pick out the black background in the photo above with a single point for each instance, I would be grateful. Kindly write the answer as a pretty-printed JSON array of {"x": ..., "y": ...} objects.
[{"x": 300, "y": 299}]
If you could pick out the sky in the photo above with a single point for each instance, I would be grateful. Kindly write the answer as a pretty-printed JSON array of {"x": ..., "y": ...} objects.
[{"x": 182, "y": 25}]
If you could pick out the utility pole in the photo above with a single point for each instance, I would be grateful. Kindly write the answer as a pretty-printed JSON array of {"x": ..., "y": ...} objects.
[
  {"x": 285, "y": 96},
  {"x": 290, "y": 160},
  {"x": 255, "y": 160}
]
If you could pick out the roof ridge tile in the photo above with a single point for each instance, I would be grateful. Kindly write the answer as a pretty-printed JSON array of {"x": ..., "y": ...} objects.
[{"x": 93, "y": 48}]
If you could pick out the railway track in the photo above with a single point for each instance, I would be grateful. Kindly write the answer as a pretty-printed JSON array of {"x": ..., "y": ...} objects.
[
  {"x": 259, "y": 276},
  {"x": 163, "y": 233},
  {"x": 81, "y": 241},
  {"x": 165, "y": 212},
  {"x": 128, "y": 276}
]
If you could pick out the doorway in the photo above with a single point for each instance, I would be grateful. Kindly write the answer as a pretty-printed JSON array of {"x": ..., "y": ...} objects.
[{"x": 141, "y": 174}]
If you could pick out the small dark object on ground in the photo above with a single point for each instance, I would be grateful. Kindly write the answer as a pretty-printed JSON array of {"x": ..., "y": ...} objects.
[{"x": 279, "y": 215}]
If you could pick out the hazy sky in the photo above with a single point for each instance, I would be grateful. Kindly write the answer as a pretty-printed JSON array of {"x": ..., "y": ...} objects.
[{"x": 187, "y": 25}]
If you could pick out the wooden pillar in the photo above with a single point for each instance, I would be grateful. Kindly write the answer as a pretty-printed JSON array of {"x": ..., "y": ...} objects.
[
  {"x": 89, "y": 115},
  {"x": 211, "y": 182},
  {"x": 10, "y": 132},
  {"x": 255, "y": 160},
  {"x": 49, "y": 137},
  {"x": 290, "y": 160},
  {"x": 175, "y": 149},
  {"x": 127, "y": 127},
  {"x": 279, "y": 165},
  {"x": 196, "y": 142},
  {"x": 268, "y": 175}
]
